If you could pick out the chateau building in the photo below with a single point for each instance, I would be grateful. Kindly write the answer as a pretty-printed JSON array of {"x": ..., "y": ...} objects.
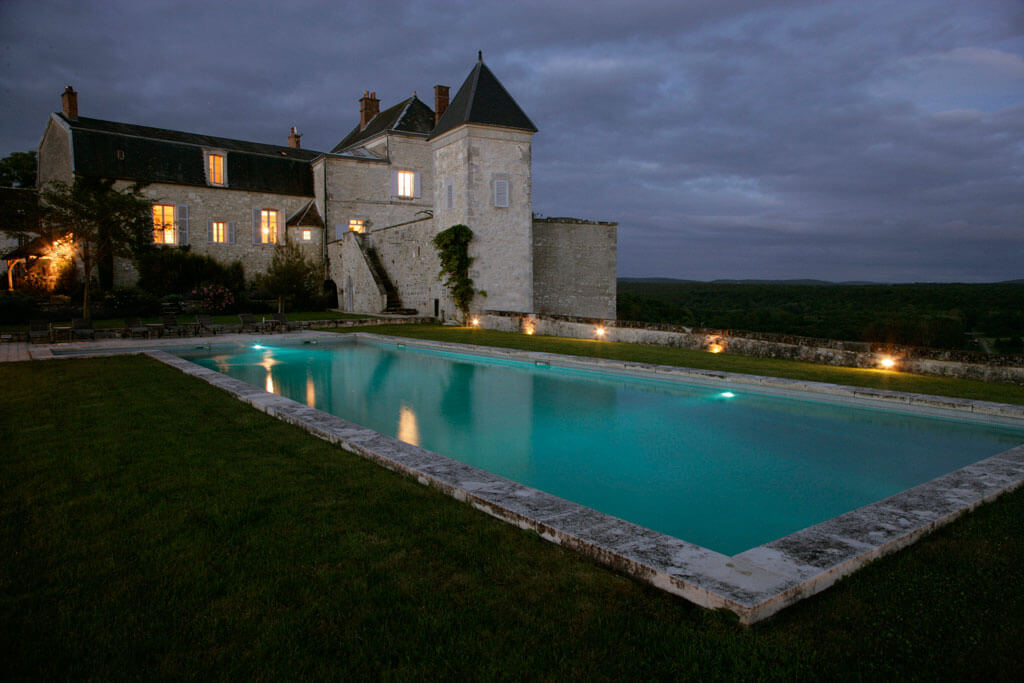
[{"x": 368, "y": 209}]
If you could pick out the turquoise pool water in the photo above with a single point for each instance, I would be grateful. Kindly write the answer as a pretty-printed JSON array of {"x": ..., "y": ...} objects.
[{"x": 727, "y": 472}]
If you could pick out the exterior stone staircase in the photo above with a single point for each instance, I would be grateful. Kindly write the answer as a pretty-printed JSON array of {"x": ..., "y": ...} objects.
[{"x": 394, "y": 302}]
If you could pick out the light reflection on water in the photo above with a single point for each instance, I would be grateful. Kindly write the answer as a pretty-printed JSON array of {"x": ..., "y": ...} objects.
[{"x": 727, "y": 473}]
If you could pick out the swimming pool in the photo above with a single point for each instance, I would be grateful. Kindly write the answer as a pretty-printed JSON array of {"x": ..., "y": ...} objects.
[{"x": 726, "y": 468}]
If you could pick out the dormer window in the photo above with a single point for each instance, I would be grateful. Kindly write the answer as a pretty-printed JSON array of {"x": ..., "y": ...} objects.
[{"x": 215, "y": 172}]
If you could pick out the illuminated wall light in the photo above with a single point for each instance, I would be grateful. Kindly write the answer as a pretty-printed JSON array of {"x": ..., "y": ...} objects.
[
  {"x": 529, "y": 330},
  {"x": 475, "y": 322},
  {"x": 715, "y": 348},
  {"x": 599, "y": 331},
  {"x": 888, "y": 362}
]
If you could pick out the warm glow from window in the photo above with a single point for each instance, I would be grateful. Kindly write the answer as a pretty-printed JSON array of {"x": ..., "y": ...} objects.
[
  {"x": 215, "y": 169},
  {"x": 406, "y": 183},
  {"x": 219, "y": 232},
  {"x": 310, "y": 392},
  {"x": 408, "y": 427},
  {"x": 163, "y": 224},
  {"x": 356, "y": 225},
  {"x": 307, "y": 235},
  {"x": 268, "y": 226}
]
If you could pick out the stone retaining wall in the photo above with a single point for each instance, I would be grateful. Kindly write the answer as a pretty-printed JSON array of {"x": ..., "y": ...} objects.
[{"x": 961, "y": 364}]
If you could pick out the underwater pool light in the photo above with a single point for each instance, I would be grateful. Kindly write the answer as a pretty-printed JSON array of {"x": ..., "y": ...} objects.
[{"x": 727, "y": 394}]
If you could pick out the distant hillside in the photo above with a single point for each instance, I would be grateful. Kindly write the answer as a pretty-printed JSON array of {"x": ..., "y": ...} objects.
[{"x": 923, "y": 314}]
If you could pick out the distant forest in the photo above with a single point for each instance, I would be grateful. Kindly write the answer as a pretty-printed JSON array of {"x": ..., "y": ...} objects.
[{"x": 981, "y": 317}]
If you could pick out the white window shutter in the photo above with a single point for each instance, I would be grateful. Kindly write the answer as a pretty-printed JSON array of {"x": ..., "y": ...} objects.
[
  {"x": 231, "y": 232},
  {"x": 182, "y": 216},
  {"x": 255, "y": 226},
  {"x": 501, "y": 193},
  {"x": 416, "y": 184}
]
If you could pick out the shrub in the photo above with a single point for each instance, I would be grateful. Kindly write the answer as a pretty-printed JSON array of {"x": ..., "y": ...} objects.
[
  {"x": 178, "y": 271},
  {"x": 129, "y": 301},
  {"x": 213, "y": 298},
  {"x": 17, "y": 308}
]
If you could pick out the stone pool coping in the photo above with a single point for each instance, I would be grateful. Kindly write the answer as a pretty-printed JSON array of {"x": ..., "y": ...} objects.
[{"x": 754, "y": 584}]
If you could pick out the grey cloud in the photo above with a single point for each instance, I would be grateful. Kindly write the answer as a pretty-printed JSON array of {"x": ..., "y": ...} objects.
[{"x": 841, "y": 140}]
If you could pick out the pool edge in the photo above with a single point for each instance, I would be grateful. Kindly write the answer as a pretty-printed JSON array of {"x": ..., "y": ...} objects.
[{"x": 754, "y": 584}]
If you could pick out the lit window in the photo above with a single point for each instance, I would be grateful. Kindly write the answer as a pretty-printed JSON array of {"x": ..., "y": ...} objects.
[
  {"x": 163, "y": 224},
  {"x": 215, "y": 169},
  {"x": 357, "y": 225},
  {"x": 268, "y": 226},
  {"x": 307, "y": 235},
  {"x": 406, "y": 184},
  {"x": 219, "y": 232}
]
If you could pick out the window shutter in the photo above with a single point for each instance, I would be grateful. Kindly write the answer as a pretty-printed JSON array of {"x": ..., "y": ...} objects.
[
  {"x": 209, "y": 231},
  {"x": 416, "y": 184},
  {"x": 182, "y": 212},
  {"x": 394, "y": 183},
  {"x": 501, "y": 193},
  {"x": 231, "y": 232},
  {"x": 339, "y": 230},
  {"x": 255, "y": 226}
]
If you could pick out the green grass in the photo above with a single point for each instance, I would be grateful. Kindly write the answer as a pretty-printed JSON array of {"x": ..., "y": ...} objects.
[
  {"x": 661, "y": 355},
  {"x": 227, "y": 319},
  {"x": 152, "y": 526}
]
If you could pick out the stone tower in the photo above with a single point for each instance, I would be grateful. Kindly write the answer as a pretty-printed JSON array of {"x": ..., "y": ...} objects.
[{"x": 482, "y": 178}]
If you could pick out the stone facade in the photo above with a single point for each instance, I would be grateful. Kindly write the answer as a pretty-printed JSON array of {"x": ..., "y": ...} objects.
[
  {"x": 574, "y": 267},
  {"x": 399, "y": 178}
]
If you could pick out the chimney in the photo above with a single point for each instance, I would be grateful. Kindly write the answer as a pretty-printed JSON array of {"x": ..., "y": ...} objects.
[
  {"x": 69, "y": 103},
  {"x": 369, "y": 106},
  {"x": 440, "y": 101},
  {"x": 293, "y": 139}
]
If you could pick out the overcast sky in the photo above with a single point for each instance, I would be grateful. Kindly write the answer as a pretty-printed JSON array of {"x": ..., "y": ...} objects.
[{"x": 848, "y": 140}]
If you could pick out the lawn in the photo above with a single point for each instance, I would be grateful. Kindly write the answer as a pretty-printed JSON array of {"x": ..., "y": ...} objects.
[{"x": 152, "y": 526}]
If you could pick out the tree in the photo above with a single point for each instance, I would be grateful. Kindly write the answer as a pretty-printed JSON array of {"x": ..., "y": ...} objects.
[
  {"x": 291, "y": 274},
  {"x": 96, "y": 219},
  {"x": 18, "y": 170}
]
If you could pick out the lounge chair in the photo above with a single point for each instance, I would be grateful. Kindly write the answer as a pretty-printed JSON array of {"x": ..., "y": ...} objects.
[
  {"x": 250, "y": 323},
  {"x": 38, "y": 331},
  {"x": 82, "y": 328},
  {"x": 206, "y": 323},
  {"x": 287, "y": 325},
  {"x": 133, "y": 327},
  {"x": 171, "y": 325}
]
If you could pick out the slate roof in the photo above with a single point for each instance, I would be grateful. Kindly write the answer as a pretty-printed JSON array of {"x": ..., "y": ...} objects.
[
  {"x": 409, "y": 116},
  {"x": 308, "y": 217},
  {"x": 483, "y": 99},
  {"x": 126, "y": 151}
]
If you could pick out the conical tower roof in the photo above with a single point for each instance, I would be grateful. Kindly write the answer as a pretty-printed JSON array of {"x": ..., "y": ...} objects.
[{"x": 482, "y": 99}]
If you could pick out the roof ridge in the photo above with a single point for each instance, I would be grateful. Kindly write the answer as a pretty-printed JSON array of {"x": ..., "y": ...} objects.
[{"x": 82, "y": 123}]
